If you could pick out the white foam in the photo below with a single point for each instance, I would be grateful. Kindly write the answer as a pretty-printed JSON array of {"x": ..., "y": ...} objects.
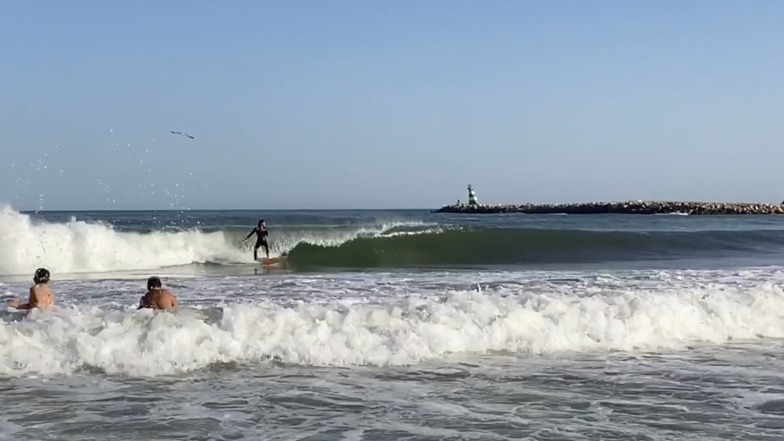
[
  {"x": 77, "y": 246},
  {"x": 390, "y": 333}
]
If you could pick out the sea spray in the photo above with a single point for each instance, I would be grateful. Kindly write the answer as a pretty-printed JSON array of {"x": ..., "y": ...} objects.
[{"x": 77, "y": 246}]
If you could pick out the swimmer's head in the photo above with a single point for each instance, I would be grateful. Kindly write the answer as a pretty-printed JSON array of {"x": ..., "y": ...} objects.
[
  {"x": 261, "y": 222},
  {"x": 41, "y": 276},
  {"x": 153, "y": 282}
]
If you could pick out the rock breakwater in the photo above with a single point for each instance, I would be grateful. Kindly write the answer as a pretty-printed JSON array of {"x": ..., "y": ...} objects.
[{"x": 628, "y": 207}]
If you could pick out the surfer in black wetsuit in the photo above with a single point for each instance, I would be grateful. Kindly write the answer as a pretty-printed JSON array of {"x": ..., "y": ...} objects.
[{"x": 261, "y": 239}]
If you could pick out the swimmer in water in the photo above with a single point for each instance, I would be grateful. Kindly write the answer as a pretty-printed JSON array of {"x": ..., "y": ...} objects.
[
  {"x": 40, "y": 294},
  {"x": 157, "y": 297}
]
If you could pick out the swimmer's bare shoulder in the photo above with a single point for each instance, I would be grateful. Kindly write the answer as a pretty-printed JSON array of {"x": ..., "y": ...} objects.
[
  {"x": 41, "y": 295},
  {"x": 167, "y": 300}
]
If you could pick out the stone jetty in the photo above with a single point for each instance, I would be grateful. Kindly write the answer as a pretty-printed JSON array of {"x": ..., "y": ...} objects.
[{"x": 628, "y": 207}]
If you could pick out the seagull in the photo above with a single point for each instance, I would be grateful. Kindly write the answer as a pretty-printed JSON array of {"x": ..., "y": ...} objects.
[{"x": 180, "y": 133}]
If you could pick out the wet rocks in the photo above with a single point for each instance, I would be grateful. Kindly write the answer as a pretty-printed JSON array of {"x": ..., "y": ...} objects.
[{"x": 627, "y": 207}]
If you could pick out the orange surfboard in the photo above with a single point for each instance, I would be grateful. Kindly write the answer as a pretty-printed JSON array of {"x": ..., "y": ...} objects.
[{"x": 272, "y": 261}]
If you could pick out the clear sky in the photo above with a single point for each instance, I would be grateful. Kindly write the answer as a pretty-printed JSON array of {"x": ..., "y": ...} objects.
[{"x": 396, "y": 104}]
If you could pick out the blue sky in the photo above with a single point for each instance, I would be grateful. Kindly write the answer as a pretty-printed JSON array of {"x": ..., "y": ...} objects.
[{"x": 348, "y": 104}]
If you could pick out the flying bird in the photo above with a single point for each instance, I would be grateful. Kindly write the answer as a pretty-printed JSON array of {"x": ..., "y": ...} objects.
[{"x": 182, "y": 134}]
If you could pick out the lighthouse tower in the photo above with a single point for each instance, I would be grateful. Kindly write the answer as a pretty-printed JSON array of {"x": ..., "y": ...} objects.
[{"x": 472, "y": 196}]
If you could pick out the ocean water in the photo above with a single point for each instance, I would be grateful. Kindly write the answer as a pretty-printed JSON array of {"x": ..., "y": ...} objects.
[{"x": 388, "y": 325}]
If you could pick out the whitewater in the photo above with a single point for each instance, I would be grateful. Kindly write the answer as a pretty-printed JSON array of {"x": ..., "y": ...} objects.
[
  {"x": 389, "y": 321},
  {"x": 408, "y": 337}
]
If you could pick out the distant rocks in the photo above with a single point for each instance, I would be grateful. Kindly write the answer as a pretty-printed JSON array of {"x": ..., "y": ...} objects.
[{"x": 628, "y": 207}]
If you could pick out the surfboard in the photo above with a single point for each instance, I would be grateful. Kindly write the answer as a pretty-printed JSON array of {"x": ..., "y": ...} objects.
[{"x": 272, "y": 261}]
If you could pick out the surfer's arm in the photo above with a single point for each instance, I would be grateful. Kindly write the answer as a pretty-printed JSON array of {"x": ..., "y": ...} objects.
[
  {"x": 32, "y": 302},
  {"x": 250, "y": 234}
]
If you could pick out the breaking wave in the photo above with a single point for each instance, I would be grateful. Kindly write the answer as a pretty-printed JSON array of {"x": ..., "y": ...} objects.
[
  {"x": 78, "y": 246},
  {"x": 75, "y": 246}
]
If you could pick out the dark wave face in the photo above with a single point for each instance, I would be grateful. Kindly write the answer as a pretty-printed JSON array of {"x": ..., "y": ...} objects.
[{"x": 531, "y": 246}]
